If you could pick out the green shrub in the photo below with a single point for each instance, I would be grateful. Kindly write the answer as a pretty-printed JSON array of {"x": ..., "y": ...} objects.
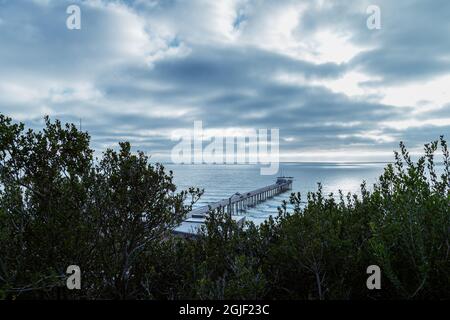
[{"x": 114, "y": 217}]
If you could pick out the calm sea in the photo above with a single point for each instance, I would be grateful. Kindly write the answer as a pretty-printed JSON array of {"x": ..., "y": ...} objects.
[{"x": 222, "y": 181}]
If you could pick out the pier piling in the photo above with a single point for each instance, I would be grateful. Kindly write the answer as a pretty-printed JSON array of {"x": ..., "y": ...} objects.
[{"x": 241, "y": 202}]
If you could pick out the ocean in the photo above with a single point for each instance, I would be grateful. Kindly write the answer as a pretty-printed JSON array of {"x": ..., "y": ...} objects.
[{"x": 221, "y": 181}]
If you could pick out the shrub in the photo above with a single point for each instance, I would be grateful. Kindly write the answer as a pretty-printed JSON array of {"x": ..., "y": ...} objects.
[
  {"x": 114, "y": 217},
  {"x": 60, "y": 207}
]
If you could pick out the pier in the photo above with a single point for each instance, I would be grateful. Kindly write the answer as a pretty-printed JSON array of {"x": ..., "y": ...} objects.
[{"x": 234, "y": 205}]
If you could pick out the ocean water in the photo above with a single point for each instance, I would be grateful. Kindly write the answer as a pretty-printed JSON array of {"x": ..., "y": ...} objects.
[{"x": 222, "y": 181}]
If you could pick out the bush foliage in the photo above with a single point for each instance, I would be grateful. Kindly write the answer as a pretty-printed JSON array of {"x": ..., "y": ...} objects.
[{"x": 113, "y": 217}]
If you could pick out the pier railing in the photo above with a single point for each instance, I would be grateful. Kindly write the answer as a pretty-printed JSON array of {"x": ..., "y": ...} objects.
[{"x": 240, "y": 202}]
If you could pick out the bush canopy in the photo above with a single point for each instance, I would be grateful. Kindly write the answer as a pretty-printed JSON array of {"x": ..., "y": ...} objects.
[{"x": 113, "y": 217}]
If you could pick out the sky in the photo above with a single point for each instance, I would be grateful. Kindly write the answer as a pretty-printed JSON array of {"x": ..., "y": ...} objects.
[{"x": 139, "y": 70}]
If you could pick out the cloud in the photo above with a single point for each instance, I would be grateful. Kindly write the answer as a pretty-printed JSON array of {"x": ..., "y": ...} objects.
[{"x": 138, "y": 70}]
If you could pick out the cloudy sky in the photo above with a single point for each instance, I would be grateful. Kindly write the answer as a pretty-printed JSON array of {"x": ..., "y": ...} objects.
[{"x": 138, "y": 70}]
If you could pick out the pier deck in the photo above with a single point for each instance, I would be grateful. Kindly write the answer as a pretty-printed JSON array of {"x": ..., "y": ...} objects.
[{"x": 234, "y": 205}]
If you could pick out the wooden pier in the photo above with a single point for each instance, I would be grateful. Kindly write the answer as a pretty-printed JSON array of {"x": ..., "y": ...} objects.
[
  {"x": 240, "y": 202},
  {"x": 234, "y": 205}
]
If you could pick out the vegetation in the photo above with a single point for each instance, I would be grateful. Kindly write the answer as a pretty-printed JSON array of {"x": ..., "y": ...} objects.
[{"x": 113, "y": 217}]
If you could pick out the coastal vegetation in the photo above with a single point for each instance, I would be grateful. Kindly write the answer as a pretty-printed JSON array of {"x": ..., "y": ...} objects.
[{"x": 113, "y": 217}]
